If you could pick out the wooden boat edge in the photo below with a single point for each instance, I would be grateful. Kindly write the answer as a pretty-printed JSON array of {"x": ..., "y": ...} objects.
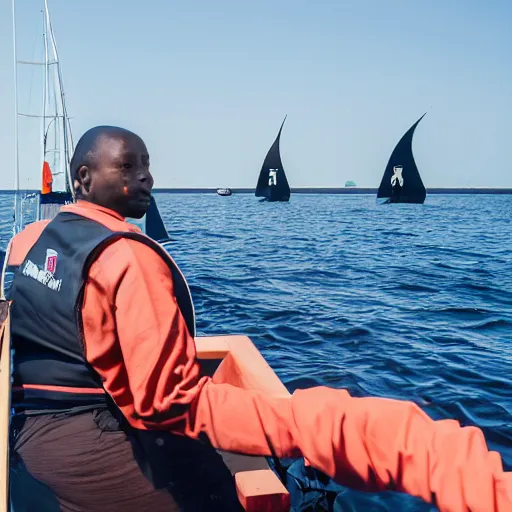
[
  {"x": 5, "y": 409},
  {"x": 234, "y": 359}
]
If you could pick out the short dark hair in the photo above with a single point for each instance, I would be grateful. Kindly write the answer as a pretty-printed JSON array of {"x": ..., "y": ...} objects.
[{"x": 86, "y": 147}]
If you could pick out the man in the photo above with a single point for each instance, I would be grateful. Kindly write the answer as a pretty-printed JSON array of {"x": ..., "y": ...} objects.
[
  {"x": 71, "y": 449},
  {"x": 109, "y": 367}
]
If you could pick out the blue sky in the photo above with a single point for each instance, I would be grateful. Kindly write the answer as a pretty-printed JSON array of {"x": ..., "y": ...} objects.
[{"x": 207, "y": 84}]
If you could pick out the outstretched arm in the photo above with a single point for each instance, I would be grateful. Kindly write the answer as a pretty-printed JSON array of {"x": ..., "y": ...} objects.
[{"x": 370, "y": 444}]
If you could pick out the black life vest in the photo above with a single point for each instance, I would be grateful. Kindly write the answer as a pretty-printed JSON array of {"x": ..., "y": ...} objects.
[{"x": 50, "y": 370}]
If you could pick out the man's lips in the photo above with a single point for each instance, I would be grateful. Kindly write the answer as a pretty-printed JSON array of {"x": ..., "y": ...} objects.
[{"x": 143, "y": 196}]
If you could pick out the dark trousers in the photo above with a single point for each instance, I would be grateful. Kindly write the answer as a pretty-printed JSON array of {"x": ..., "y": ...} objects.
[{"x": 86, "y": 463}]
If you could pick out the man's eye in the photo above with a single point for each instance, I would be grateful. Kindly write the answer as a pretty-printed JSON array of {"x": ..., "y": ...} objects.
[{"x": 127, "y": 166}]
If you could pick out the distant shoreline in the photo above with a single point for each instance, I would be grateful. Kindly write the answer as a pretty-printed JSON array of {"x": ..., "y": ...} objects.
[
  {"x": 333, "y": 190},
  {"x": 320, "y": 190}
]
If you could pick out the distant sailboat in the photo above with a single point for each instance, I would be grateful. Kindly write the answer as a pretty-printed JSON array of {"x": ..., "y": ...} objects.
[
  {"x": 272, "y": 183},
  {"x": 401, "y": 182},
  {"x": 56, "y": 145}
]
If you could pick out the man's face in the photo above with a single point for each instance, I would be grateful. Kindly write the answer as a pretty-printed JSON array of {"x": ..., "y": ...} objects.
[{"x": 119, "y": 179}]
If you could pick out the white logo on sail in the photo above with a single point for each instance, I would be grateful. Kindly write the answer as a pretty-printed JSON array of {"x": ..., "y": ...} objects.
[
  {"x": 397, "y": 176},
  {"x": 272, "y": 177}
]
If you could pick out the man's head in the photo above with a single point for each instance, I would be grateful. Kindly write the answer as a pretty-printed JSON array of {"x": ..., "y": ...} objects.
[{"x": 110, "y": 168}]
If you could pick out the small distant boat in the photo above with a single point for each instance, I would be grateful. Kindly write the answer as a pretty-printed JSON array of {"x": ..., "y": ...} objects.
[
  {"x": 401, "y": 182},
  {"x": 272, "y": 183},
  {"x": 224, "y": 191}
]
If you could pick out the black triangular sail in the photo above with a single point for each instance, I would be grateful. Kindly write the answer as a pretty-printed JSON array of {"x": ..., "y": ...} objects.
[
  {"x": 401, "y": 182},
  {"x": 155, "y": 227},
  {"x": 272, "y": 183}
]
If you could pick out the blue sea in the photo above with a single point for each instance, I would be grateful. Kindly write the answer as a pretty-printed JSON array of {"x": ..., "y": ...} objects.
[{"x": 402, "y": 301}]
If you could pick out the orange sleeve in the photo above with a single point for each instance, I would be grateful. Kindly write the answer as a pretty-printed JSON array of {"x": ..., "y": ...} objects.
[
  {"x": 136, "y": 339},
  {"x": 135, "y": 336}
]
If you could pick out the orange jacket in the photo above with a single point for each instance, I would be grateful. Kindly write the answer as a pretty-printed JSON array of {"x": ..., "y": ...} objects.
[{"x": 137, "y": 341}]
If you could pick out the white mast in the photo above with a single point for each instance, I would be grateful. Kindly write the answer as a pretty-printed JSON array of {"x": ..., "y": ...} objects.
[
  {"x": 16, "y": 150},
  {"x": 61, "y": 114},
  {"x": 45, "y": 97}
]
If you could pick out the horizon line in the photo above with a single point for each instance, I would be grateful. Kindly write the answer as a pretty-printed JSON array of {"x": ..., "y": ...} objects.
[{"x": 312, "y": 190}]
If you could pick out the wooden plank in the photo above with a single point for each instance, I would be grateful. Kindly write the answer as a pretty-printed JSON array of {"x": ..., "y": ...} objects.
[
  {"x": 262, "y": 491},
  {"x": 211, "y": 347},
  {"x": 5, "y": 403}
]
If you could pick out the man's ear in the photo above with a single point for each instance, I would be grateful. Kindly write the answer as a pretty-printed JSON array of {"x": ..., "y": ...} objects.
[{"x": 83, "y": 179}]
